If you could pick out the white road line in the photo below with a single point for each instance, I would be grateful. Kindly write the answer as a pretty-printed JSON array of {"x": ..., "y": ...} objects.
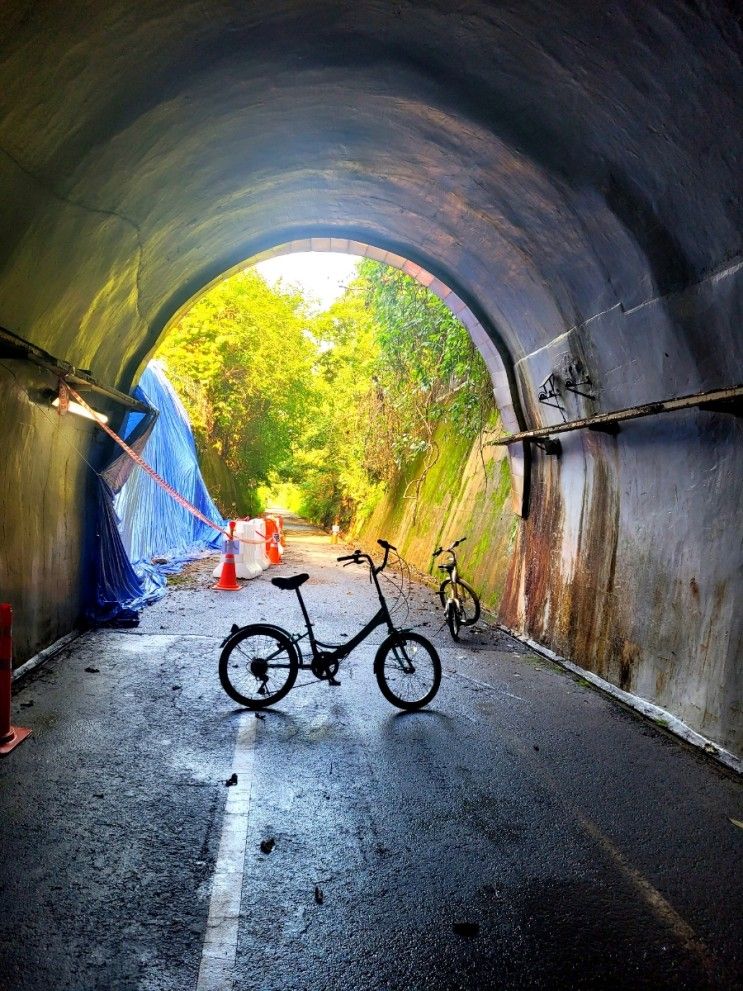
[
  {"x": 661, "y": 908},
  {"x": 220, "y": 941}
]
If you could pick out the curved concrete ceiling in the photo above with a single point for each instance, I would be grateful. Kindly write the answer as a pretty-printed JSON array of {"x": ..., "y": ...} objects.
[{"x": 550, "y": 161}]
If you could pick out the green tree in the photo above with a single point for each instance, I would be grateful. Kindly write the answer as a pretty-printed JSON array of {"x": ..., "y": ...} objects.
[
  {"x": 428, "y": 369},
  {"x": 241, "y": 359},
  {"x": 331, "y": 463},
  {"x": 393, "y": 362}
]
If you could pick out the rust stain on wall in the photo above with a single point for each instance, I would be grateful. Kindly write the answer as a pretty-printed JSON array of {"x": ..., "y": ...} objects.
[
  {"x": 536, "y": 557},
  {"x": 578, "y": 614},
  {"x": 592, "y": 629}
]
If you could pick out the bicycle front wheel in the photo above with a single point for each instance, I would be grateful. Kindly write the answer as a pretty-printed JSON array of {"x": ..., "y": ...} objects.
[
  {"x": 408, "y": 670},
  {"x": 258, "y": 666},
  {"x": 453, "y": 618}
]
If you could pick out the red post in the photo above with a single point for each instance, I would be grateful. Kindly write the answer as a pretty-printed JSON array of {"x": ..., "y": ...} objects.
[{"x": 10, "y": 736}]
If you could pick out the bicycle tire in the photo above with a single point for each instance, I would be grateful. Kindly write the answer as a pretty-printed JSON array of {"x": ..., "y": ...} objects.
[
  {"x": 453, "y": 618},
  {"x": 249, "y": 669},
  {"x": 393, "y": 676},
  {"x": 471, "y": 612}
]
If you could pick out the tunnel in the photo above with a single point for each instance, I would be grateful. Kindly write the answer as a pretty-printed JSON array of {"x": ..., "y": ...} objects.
[{"x": 568, "y": 173}]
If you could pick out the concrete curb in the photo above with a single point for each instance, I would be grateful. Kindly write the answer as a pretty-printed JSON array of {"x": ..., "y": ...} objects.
[
  {"x": 653, "y": 712},
  {"x": 45, "y": 655}
]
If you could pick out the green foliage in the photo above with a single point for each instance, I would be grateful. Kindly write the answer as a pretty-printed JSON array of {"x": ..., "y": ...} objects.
[
  {"x": 325, "y": 411},
  {"x": 427, "y": 371},
  {"x": 331, "y": 463},
  {"x": 242, "y": 361}
]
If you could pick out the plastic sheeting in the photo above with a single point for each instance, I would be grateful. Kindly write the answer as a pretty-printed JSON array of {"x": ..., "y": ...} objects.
[
  {"x": 153, "y": 525},
  {"x": 116, "y": 592},
  {"x": 136, "y": 520}
]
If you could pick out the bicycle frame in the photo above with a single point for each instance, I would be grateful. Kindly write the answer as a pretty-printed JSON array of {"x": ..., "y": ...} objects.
[
  {"x": 336, "y": 652},
  {"x": 451, "y": 568}
]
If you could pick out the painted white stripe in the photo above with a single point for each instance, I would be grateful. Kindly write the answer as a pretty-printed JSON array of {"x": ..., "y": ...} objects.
[{"x": 220, "y": 941}]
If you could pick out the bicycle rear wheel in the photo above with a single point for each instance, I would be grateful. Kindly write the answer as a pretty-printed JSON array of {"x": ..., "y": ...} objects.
[
  {"x": 469, "y": 603},
  {"x": 258, "y": 666},
  {"x": 408, "y": 670},
  {"x": 468, "y": 600}
]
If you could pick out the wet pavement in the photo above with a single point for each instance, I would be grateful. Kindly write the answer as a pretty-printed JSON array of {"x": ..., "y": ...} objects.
[{"x": 522, "y": 832}]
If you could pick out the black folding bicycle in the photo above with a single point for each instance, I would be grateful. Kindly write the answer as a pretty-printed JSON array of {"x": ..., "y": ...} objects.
[{"x": 259, "y": 663}]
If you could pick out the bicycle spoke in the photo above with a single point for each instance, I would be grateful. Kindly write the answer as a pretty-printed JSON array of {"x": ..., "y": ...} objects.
[{"x": 258, "y": 666}]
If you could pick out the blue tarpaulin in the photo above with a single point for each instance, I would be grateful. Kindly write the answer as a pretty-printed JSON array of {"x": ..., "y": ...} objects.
[
  {"x": 143, "y": 533},
  {"x": 152, "y": 523}
]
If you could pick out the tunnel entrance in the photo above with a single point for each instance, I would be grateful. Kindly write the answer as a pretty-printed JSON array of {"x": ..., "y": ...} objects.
[{"x": 376, "y": 411}]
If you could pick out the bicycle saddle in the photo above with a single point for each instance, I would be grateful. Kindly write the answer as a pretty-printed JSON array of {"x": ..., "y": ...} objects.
[{"x": 288, "y": 584}]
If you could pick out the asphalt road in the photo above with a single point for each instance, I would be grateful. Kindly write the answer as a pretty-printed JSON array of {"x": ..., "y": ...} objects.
[{"x": 523, "y": 832}]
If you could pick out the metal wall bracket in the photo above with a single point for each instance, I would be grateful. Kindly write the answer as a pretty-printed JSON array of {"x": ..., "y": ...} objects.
[
  {"x": 578, "y": 379},
  {"x": 605, "y": 428},
  {"x": 15, "y": 347},
  {"x": 733, "y": 406},
  {"x": 549, "y": 394},
  {"x": 549, "y": 446}
]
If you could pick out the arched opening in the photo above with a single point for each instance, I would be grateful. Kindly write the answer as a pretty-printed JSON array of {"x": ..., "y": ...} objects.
[{"x": 485, "y": 338}]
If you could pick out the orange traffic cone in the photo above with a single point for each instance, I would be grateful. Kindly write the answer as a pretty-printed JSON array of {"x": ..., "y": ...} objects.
[
  {"x": 10, "y": 736},
  {"x": 228, "y": 578}
]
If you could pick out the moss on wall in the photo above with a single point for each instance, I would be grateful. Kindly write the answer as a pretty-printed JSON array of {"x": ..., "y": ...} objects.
[{"x": 466, "y": 492}]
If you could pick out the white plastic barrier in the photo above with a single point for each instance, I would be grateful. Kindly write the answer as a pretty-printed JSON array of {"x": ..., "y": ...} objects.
[
  {"x": 247, "y": 563},
  {"x": 259, "y": 533}
]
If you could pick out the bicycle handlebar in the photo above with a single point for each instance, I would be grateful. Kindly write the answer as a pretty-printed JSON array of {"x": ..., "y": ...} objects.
[
  {"x": 450, "y": 548},
  {"x": 357, "y": 557}
]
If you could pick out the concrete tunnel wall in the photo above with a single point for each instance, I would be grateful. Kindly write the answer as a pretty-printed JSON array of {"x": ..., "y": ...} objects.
[{"x": 571, "y": 170}]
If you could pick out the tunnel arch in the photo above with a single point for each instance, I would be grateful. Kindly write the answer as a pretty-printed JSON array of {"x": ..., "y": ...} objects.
[
  {"x": 486, "y": 340},
  {"x": 571, "y": 171}
]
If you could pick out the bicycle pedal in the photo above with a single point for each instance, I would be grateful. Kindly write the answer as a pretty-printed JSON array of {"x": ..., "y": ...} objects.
[{"x": 333, "y": 681}]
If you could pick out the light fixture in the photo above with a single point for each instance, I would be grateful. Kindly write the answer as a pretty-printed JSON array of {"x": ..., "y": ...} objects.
[{"x": 63, "y": 404}]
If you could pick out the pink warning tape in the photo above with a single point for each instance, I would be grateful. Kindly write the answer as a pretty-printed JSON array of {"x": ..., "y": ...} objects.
[{"x": 138, "y": 460}]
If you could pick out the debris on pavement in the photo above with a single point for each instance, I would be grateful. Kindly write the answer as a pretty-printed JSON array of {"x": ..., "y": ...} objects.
[
  {"x": 268, "y": 845},
  {"x": 232, "y": 780},
  {"x": 91, "y": 670},
  {"x": 319, "y": 896},
  {"x": 468, "y": 929}
]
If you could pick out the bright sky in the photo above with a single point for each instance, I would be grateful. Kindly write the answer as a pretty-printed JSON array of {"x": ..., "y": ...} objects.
[{"x": 322, "y": 276}]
